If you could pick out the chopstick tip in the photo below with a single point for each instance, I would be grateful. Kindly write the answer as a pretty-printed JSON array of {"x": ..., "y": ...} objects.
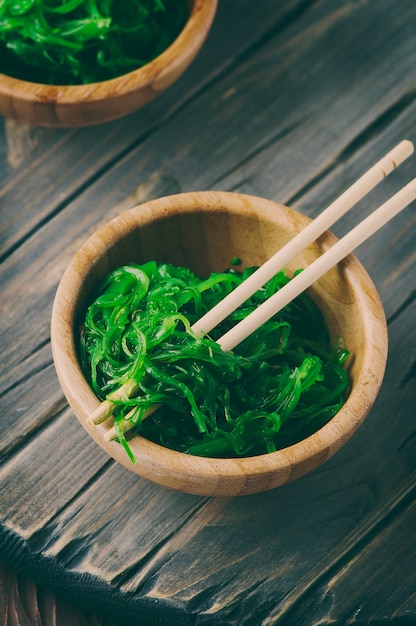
[
  {"x": 402, "y": 151},
  {"x": 395, "y": 157}
]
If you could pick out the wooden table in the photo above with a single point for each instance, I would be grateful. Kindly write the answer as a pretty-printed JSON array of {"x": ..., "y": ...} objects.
[{"x": 287, "y": 100}]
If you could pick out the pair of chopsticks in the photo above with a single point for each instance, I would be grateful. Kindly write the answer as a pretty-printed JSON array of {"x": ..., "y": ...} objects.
[{"x": 301, "y": 281}]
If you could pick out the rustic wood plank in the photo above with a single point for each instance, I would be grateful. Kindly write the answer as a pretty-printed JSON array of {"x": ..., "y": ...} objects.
[
  {"x": 47, "y": 472},
  {"x": 218, "y": 561},
  {"x": 26, "y": 406},
  {"x": 347, "y": 595}
]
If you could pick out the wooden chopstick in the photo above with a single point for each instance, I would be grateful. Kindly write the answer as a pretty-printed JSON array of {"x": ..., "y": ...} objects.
[
  {"x": 315, "y": 229},
  {"x": 320, "y": 266},
  {"x": 309, "y": 234}
]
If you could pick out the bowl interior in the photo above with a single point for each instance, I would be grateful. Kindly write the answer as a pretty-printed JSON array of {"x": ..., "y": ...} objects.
[{"x": 204, "y": 231}]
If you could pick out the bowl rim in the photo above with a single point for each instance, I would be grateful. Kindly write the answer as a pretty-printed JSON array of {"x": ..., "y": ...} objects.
[
  {"x": 169, "y": 61},
  {"x": 200, "y": 475}
]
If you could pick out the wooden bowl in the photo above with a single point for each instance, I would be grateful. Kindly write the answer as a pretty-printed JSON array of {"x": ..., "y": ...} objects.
[
  {"x": 203, "y": 231},
  {"x": 84, "y": 105}
]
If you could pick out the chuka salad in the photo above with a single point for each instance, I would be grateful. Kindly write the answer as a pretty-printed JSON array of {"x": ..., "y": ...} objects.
[
  {"x": 281, "y": 384},
  {"x": 70, "y": 42}
]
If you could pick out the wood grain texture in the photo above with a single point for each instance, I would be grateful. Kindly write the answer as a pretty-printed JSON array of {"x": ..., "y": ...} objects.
[
  {"x": 291, "y": 104},
  {"x": 25, "y": 604}
]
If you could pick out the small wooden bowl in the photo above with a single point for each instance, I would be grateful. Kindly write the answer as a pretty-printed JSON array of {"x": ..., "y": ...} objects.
[
  {"x": 204, "y": 231},
  {"x": 84, "y": 105}
]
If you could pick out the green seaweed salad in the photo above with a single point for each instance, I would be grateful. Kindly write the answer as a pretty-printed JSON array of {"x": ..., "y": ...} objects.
[
  {"x": 281, "y": 384},
  {"x": 69, "y": 42}
]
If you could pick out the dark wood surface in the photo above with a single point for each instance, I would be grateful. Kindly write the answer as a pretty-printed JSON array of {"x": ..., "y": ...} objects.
[{"x": 287, "y": 100}]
